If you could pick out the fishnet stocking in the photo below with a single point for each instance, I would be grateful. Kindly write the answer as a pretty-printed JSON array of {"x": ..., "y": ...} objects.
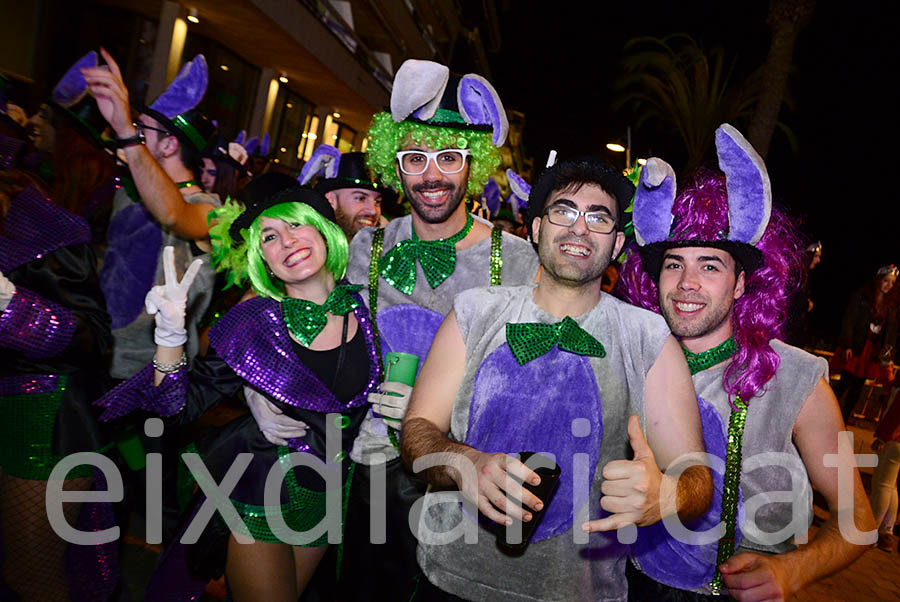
[{"x": 33, "y": 555}]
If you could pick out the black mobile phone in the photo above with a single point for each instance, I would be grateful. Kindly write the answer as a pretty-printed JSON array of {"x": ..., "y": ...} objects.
[{"x": 515, "y": 537}]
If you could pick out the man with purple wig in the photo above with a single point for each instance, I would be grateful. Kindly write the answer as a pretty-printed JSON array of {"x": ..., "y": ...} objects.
[
  {"x": 569, "y": 371},
  {"x": 720, "y": 264}
]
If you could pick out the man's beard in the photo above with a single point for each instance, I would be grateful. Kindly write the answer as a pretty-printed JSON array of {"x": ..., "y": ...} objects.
[
  {"x": 435, "y": 215},
  {"x": 349, "y": 223},
  {"x": 567, "y": 273}
]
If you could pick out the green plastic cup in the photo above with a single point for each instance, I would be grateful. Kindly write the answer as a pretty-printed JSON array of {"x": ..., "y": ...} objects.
[{"x": 401, "y": 367}]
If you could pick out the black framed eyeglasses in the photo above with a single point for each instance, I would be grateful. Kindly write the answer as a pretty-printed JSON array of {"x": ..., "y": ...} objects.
[
  {"x": 600, "y": 222},
  {"x": 140, "y": 125}
]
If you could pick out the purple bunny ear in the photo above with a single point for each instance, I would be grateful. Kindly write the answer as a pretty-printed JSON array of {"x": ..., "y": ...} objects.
[
  {"x": 264, "y": 145},
  {"x": 252, "y": 145},
  {"x": 186, "y": 91},
  {"x": 492, "y": 196},
  {"x": 418, "y": 87},
  {"x": 653, "y": 202},
  {"x": 240, "y": 137},
  {"x": 72, "y": 87},
  {"x": 520, "y": 188},
  {"x": 325, "y": 158},
  {"x": 747, "y": 182},
  {"x": 479, "y": 104}
]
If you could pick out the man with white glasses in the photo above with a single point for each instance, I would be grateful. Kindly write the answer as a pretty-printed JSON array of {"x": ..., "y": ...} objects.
[{"x": 439, "y": 142}]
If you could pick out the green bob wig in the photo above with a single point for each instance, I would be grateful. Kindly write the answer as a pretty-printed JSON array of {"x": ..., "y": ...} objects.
[
  {"x": 387, "y": 136},
  {"x": 244, "y": 259}
]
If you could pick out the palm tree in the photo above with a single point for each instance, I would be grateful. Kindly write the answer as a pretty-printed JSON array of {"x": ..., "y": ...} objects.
[
  {"x": 786, "y": 19},
  {"x": 687, "y": 91}
]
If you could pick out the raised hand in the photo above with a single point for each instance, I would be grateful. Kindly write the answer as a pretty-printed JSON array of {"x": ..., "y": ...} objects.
[
  {"x": 168, "y": 302},
  {"x": 274, "y": 425},
  {"x": 7, "y": 290},
  {"x": 630, "y": 487},
  {"x": 756, "y": 578},
  {"x": 106, "y": 85},
  {"x": 392, "y": 402}
]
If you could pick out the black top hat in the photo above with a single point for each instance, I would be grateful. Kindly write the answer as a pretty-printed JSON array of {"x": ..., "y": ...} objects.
[
  {"x": 272, "y": 189},
  {"x": 351, "y": 173},
  {"x": 191, "y": 128}
]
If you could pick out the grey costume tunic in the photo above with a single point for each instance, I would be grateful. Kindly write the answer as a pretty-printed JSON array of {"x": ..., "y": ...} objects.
[
  {"x": 130, "y": 227},
  {"x": 573, "y": 406},
  {"x": 774, "y": 486},
  {"x": 773, "y": 476},
  {"x": 472, "y": 270}
]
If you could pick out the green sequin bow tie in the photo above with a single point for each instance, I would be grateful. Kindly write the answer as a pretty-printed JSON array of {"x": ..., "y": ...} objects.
[
  {"x": 531, "y": 340},
  {"x": 437, "y": 258},
  {"x": 306, "y": 319},
  {"x": 698, "y": 362}
]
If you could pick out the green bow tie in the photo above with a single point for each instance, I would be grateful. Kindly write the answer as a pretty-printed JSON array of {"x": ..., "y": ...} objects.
[
  {"x": 437, "y": 258},
  {"x": 306, "y": 319},
  {"x": 529, "y": 341},
  {"x": 698, "y": 362}
]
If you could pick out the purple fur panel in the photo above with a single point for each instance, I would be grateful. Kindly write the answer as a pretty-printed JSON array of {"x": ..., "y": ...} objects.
[
  {"x": 408, "y": 328},
  {"x": 264, "y": 145},
  {"x": 535, "y": 407},
  {"x": 72, "y": 87},
  {"x": 252, "y": 145},
  {"x": 186, "y": 91}
]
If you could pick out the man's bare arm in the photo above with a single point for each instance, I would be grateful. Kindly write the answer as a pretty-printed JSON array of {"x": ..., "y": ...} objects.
[
  {"x": 427, "y": 423},
  {"x": 674, "y": 428},
  {"x": 636, "y": 491},
  {"x": 757, "y": 577},
  {"x": 157, "y": 190}
]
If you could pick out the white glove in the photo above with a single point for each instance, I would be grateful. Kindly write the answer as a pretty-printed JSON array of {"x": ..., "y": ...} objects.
[
  {"x": 392, "y": 402},
  {"x": 273, "y": 424},
  {"x": 168, "y": 302},
  {"x": 7, "y": 290}
]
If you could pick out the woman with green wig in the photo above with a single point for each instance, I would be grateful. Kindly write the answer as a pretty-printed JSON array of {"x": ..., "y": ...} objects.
[{"x": 302, "y": 349}]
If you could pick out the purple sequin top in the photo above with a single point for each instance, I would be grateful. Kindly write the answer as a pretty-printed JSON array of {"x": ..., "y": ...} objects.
[
  {"x": 253, "y": 340},
  {"x": 35, "y": 326},
  {"x": 34, "y": 227}
]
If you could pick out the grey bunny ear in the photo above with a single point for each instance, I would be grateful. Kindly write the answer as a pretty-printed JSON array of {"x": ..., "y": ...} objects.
[
  {"x": 479, "y": 104},
  {"x": 747, "y": 182},
  {"x": 653, "y": 200},
  {"x": 418, "y": 88}
]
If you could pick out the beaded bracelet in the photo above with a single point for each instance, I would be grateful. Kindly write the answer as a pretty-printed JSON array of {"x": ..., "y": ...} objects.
[{"x": 170, "y": 368}]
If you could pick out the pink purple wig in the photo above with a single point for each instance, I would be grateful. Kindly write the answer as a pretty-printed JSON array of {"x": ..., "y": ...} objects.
[{"x": 760, "y": 314}]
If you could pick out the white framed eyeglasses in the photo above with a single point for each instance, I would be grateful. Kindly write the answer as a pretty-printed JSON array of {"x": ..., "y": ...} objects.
[
  {"x": 449, "y": 161},
  {"x": 600, "y": 222}
]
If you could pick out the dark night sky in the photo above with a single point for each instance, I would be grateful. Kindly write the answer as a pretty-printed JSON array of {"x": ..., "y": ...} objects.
[{"x": 558, "y": 64}]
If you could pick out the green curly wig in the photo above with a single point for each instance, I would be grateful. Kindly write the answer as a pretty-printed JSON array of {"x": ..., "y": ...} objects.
[
  {"x": 386, "y": 136},
  {"x": 245, "y": 260}
]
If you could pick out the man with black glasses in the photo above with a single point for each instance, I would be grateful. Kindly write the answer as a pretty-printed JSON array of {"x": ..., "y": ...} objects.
[{"x": 563, "y": 369}]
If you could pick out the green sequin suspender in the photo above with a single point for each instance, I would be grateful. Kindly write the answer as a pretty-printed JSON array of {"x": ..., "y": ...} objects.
[
  {"x": 186, "y": 184},
  {"x": 697, "y": 362},
  {"x": 732, "y": 482},
  {"x": 377, "y": 245},
  {"x": 496, "y": 255}
]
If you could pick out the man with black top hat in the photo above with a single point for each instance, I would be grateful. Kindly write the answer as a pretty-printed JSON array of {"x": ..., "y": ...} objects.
[
  {"x": 563, "y": 369},
  {"x": 348, "y": 186}
]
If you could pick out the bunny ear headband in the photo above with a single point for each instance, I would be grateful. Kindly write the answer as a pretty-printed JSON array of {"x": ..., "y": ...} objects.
[
  {"x": 425, "y": 91},
  {"x": 749, "y": 205}
]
